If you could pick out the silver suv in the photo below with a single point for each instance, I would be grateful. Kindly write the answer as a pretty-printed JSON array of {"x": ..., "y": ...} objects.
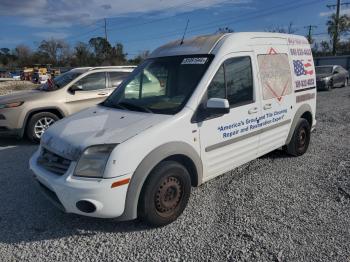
[{"x": 32, "y": 112}]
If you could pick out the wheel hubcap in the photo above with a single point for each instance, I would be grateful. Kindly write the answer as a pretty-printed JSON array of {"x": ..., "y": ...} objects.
[
  {"x": 42, "y": 125},
  {"x": 302, "y": 138},
  {"x": 168, "y": 195}
]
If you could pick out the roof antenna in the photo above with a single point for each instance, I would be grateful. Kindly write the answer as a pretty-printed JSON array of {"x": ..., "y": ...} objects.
[{"x": 183, "y": 37}]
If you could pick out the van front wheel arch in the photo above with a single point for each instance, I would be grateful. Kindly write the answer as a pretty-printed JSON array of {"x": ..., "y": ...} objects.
[{"x": 165, "y": 194}]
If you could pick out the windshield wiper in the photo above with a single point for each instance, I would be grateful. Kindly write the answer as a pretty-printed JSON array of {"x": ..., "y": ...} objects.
[{"x": 130, "y": 105}]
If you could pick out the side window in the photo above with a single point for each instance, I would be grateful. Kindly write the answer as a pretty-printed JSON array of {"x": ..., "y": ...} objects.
[
  {"x": 275, "y": 74},
  {"x": 93, "y": 82},
  {"x": 233, "y": 81},
  {"x": 239, "y": 80},
  {"x": 217, "y": 88},
  {"x": 117, "y": 77}
]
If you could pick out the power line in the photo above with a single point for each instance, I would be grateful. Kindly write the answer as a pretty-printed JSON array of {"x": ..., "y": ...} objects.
[{"x": 237, "y": 19}]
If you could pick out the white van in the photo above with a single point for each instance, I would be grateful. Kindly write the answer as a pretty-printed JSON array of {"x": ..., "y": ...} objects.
[{"x": 216, "y": 102}]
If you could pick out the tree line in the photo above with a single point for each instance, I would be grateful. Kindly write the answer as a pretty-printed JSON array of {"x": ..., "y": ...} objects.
[{"x": 57, "y": 52}]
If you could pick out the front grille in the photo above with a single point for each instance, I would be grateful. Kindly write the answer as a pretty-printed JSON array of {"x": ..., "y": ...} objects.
[{"x": 53, "y": 163}]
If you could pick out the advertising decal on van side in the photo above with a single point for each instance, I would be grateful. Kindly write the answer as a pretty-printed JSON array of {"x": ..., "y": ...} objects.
[{"x": 302, "y": 64}]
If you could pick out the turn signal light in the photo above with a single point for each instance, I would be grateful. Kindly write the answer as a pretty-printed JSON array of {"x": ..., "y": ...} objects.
[{"x": 120, "y": 183}]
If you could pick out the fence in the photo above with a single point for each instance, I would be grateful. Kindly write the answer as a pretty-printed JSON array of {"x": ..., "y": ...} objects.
[{"x": 344, "y": 61}]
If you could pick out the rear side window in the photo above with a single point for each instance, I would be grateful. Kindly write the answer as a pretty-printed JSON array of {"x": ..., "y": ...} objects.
[
  {"x": 233, "y": 81},
  {"x": 93, "y": 81},
  {"x": 275, "y": 74},
  {"x": 117, "y": 77}
]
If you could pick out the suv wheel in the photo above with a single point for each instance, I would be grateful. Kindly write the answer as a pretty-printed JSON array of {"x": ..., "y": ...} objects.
[
  {"x": 38, "y": 124},
  {"x": 165, "y": 194},
  {"x": 299, "y": 143}
]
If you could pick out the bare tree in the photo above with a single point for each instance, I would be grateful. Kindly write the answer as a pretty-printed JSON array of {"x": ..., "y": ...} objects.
[
  {"x": 53, "y": 48},
  {"x": 23, "y": 54}
]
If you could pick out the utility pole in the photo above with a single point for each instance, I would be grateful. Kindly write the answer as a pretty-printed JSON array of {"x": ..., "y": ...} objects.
[
  {"x": 106, "y": 29},
  {"x": 336, "y": 29},
  {"x": 309, "y": 35}
]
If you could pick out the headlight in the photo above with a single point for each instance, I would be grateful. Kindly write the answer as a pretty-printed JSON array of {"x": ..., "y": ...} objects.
[
  {"x": 11, "y": 105},
  {"x": 326, "y": 78},
  {"x": 93, "y": 161}
]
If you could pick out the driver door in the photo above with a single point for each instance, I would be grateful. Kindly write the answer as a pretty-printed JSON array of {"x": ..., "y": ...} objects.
[
  {"x": 89, "y": 91},
  {"x": 232, "y": 139}
]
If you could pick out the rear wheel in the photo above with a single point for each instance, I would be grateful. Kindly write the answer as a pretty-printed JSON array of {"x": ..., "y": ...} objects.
[
  {"x": 39, "y": 123},
  {"x": 346, "y": 81},
  {"x": 300, "y": 140},
  {"x": 165, "y": 194}
]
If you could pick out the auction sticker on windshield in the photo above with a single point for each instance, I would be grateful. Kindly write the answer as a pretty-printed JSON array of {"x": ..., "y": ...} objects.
[{"x": 194, "y": 61}]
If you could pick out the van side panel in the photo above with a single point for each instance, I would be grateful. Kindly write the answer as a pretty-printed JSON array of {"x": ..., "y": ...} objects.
[{"x": 275, "y": 76}]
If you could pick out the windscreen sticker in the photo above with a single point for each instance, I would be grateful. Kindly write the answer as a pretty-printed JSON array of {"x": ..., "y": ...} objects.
[{"x": 194, "y": 61}]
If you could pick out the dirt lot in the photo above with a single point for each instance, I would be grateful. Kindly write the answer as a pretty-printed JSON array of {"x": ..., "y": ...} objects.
[
  {"x": 8, "y": 87},
  {"x": 276, "y": 208}
]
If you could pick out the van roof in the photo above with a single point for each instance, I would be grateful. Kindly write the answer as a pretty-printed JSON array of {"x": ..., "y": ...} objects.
[{"x": 206, "y": 44}]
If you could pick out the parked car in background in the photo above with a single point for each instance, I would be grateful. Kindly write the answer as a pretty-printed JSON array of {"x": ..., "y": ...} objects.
[
  {"x": 32, "y": 112},
  {"x": 330, "y": 76}
]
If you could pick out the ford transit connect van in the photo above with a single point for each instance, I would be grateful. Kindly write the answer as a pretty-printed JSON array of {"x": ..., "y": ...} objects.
[{"x": 192, "y": 111}]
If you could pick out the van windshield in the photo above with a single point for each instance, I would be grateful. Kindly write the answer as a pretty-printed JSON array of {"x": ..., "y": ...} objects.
[{"x": 160, "y": 85}]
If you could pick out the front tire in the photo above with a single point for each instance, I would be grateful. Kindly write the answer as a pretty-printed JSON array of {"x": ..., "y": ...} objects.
[
  {"x": 38, "y": 124},
  {"x": 300, "y": 140},
  {"x": 165, "y": 194}
]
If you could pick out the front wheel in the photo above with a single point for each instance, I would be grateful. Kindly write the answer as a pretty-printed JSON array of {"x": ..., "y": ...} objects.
[
  {"x": 165, "y": 194},
  {"x": 38, "y": 124},
  {"x": 300, "y": 140}
]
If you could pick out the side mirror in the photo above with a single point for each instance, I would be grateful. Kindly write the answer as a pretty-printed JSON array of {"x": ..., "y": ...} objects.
[
  {"x": 75, "y": 88},
  {"x": 335, "y": 72},
  {"x": 218, "y": 106}
]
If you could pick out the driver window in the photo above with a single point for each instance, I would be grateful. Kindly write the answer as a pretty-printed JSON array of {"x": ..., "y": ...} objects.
[
  {"x": 92, "y": 82},
  {"x": 233, "y": 81}
]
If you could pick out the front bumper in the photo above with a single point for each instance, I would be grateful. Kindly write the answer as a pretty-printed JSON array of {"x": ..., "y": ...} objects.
[
  {"x": 11, "y": 122},
  {"x": 66, "y": 191},
  {"x": 322, "y": 84}
]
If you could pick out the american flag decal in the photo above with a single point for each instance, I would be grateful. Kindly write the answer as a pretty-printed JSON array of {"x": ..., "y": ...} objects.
[{"x": 301, "y": 68}]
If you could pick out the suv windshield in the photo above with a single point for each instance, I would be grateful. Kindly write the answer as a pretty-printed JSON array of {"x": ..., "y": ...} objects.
[
  {"x": 60, "y": 81},
  {"x": 324, "y": 70},
  {"x": 160, "y": 85}
]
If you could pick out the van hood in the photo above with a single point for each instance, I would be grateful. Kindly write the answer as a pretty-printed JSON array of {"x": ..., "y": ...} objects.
[
  {"x": 20, "y": 96},
  {"x": 95, "y": 126}
]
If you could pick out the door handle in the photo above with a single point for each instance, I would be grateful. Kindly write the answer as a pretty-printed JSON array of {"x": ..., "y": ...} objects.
[
  {"x": 102, "y": 94},
  {"x": 267, "y": 106},
  {"x": 253, "y": 110}
]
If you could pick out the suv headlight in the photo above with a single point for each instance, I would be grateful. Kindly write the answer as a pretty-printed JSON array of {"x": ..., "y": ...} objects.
[
  {"x": 11, "y": 105},
  {"x": 93, "y": 161},
  {"x": 326, "y": 78}
]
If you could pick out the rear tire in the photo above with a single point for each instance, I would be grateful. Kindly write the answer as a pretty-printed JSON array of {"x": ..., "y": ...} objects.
[
  {"x": 165, "y": 194},
  {"x": 300, "y": 140},
  {"x": 38, "y": 124}
]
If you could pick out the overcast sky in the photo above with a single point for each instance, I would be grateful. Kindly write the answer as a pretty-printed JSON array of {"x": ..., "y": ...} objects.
[{"x": 144, "y": 25}]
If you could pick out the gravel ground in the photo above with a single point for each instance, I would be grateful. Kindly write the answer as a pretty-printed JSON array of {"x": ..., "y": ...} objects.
[
  {"x": 8, "y": 87},
  {"x": 276, "y": 208}
]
